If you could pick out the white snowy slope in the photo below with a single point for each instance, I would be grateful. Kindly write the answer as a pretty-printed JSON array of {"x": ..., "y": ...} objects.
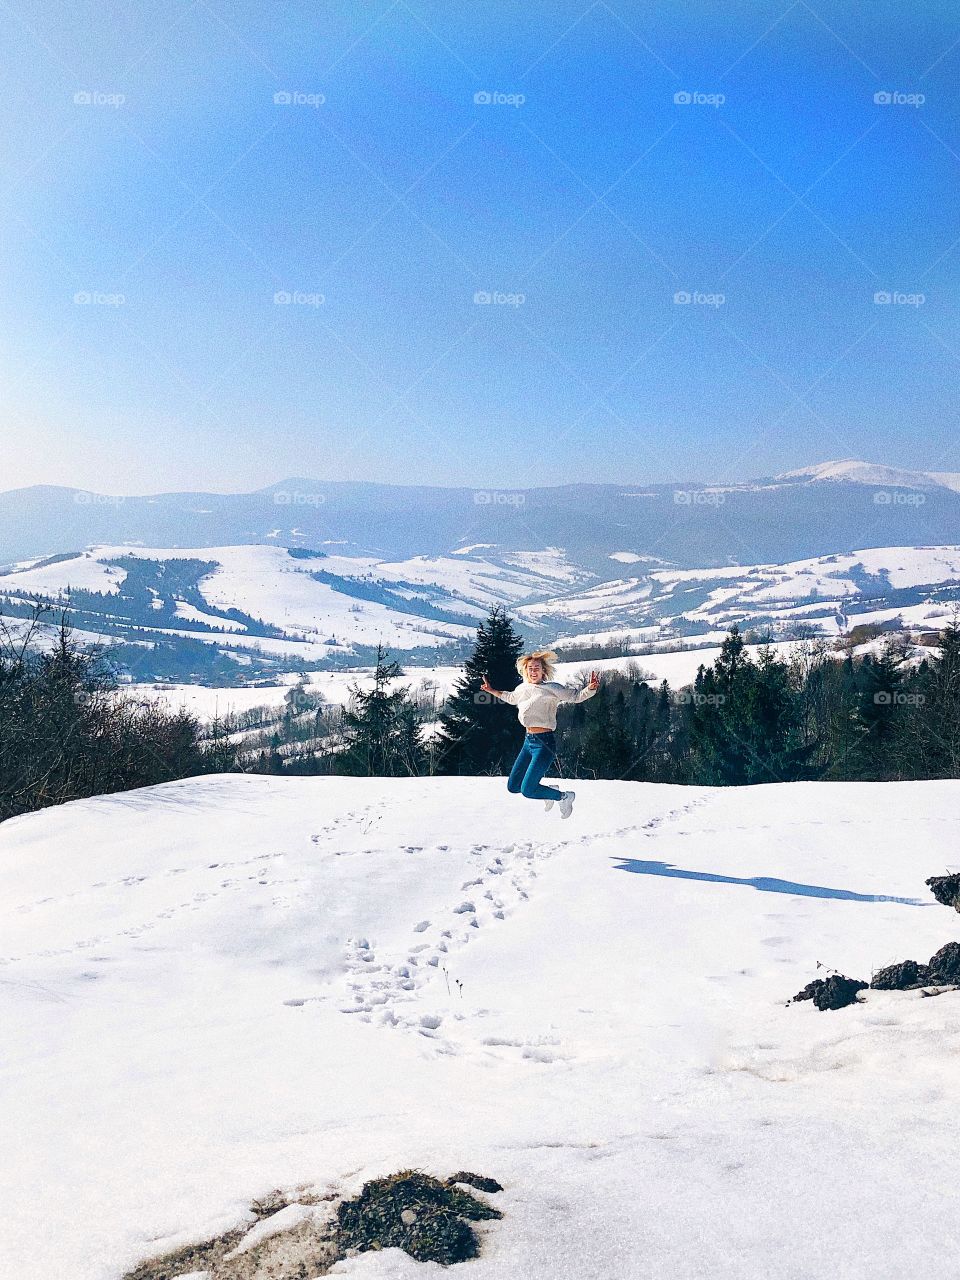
[
  {"x": 84, "y": 570},
  {"x": 732, "y": 593},
  {"x": 268, "y": 583},
  {"x": 217, "y": 987},
  {"x": 853, "y": 470}
]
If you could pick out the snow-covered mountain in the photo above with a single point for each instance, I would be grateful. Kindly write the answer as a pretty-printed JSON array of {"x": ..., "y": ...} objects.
[
  {"x": 215, "y": 988},
  {"x": 852, "y": 471},
  {"x": 317, "y": 574}
]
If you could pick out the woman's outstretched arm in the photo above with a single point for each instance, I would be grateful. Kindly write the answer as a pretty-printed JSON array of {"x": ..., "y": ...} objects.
[
  {"x": 580, "y": 695},
  {"x": 503, "y": 694}
]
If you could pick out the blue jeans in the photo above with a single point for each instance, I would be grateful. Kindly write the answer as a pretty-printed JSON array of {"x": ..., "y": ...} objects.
[{"x": 537, "y": 754}]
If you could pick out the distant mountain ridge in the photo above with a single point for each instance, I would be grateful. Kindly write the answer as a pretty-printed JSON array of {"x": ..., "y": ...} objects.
[{"x": 827, "y": 508}]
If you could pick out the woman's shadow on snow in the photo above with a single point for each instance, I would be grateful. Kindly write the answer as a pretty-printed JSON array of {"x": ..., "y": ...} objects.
[{"x": 766, "y": 884}]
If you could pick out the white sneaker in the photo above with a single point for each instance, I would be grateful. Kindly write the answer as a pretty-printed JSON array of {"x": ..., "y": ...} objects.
[
  {"x": 548, "y": 805},
  {"x": 566, "y": 803}
]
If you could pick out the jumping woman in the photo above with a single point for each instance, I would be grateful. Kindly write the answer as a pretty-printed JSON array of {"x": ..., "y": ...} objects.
[{"x": 536, "y": 701}]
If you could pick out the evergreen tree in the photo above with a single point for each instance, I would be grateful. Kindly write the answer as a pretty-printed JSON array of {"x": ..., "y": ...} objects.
[
  {"x": 275, "y": 759},
  {"x": 621, "y": 733},
  {"x": 744, "y": 720},
  {"x": 661, "y": 756},
  {"x": 381, "y": 731},
  {"x": 932, "y": 731},
  {"x": 877, "y": 717},
  {"x": 608, "y": 749},
  {"x": 476, "y": 735}
]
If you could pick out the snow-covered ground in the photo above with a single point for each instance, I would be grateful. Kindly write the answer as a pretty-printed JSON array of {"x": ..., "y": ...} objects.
[{"x": 216, "y": 987}]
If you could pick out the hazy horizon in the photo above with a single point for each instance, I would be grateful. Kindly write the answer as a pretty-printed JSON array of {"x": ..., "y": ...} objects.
[{"x": 222, "y": 491}]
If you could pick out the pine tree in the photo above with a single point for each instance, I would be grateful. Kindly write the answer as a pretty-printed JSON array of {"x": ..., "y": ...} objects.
[
  {"x": 876, "y": 717},
  {"x": 476, "y": 734},
  {"x": 608, "y": 749},
  {"x": 744, "y": 720},
  {"x": 933, "y": 716},
  {"x": 663, "y": 749},
  {"x": 382, "y": 735}
]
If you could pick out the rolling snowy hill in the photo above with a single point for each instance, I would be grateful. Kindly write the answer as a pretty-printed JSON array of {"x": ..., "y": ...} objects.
[
  {"x": 888, "y": 580},
  {"x": 217, "y": 987},
  {"x": 263, "y": 610},
  {"x": 256, "y": 600}
]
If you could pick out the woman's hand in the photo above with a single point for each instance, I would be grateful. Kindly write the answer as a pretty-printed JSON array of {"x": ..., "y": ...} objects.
[
  {"x": 594, "y": 679},
  {"x": 487, "y": 688}
]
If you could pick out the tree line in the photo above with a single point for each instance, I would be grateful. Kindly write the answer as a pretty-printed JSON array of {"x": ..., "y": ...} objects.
[
  {"x": 67, "y": 731},
  {"x": 745, "y": 719}
]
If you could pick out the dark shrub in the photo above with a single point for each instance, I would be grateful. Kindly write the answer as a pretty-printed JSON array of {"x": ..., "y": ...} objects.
[
  {"x": 946, "y": 890},
  {"x": 416, "y": 1213}
]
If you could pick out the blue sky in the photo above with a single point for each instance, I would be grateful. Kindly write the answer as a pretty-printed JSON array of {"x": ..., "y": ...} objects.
[{"x": 152, "y": 224}]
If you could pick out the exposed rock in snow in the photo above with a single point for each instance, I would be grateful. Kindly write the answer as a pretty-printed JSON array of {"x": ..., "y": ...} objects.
[
  {"x": 946, "y": 889},
  {"x": 833, "y": 992},
  {"x": 900, "y": 977},
  {"x": 944, "y": 966}
]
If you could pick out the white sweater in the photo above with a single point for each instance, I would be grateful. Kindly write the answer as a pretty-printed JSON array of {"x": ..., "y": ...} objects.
[{"x": 537, "y": 703}]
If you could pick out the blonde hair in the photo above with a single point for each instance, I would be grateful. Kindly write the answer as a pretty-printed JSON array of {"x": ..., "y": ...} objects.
[{"x": 546, "y": 657}]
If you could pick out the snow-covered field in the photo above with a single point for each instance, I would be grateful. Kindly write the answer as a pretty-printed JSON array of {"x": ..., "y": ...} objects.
[{"x": 216, "y": 987}]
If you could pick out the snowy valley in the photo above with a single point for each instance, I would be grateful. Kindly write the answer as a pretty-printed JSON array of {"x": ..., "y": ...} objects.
[{"x": 247, "y": 615}]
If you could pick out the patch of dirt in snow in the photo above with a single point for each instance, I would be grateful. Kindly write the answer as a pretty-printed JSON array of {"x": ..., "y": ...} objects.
[
  {"x": 288, "y": 1236},
  {"x": 304, "y": 1237}
]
